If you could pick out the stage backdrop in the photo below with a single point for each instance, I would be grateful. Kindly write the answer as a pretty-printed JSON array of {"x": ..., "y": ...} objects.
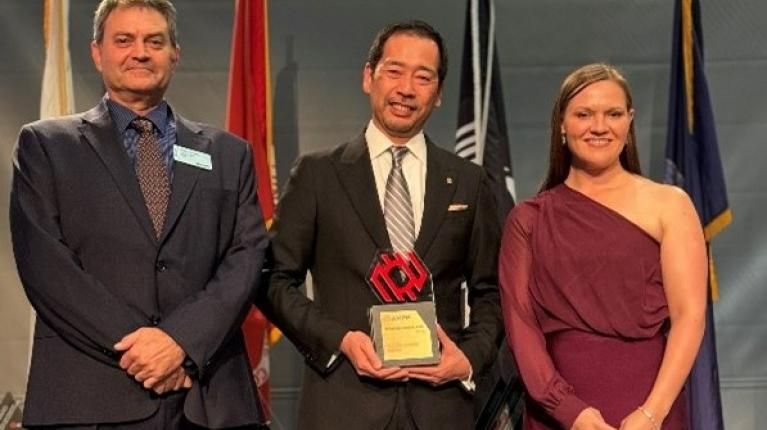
[{"x": 318, "y": 50}]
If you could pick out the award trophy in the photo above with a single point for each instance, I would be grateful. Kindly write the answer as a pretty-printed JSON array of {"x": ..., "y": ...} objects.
[{"x": 404, "y": 327}]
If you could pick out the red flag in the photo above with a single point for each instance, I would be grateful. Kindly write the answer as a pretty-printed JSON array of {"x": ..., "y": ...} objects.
[{"x": 249, "y": 115}]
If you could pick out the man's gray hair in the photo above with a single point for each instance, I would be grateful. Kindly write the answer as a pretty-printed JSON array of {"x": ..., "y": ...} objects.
[{"x": 165, "y": 7}]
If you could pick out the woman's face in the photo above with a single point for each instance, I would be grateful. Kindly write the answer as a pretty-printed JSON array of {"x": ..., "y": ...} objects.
[{"x": 596, "y": 124}]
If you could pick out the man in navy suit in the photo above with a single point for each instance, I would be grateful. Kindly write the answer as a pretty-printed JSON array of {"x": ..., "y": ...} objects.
[
  {"x": 139, "y": 241},
  {"x": 333, "y": 219}
]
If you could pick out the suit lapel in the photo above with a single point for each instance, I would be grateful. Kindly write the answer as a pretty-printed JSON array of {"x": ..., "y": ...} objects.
[
  {"x": 440, "y": 187},
  {"x": 184, "y": 176},
  {"x": 99, "y": 131},
  {"x": 356, "y": 176}
]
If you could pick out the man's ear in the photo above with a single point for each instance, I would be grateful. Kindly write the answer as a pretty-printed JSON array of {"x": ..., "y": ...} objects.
[
  {"x": 176, "y": 55},
  {"x": 367, "y": 78},
  {"x": 96, "y": 55}
]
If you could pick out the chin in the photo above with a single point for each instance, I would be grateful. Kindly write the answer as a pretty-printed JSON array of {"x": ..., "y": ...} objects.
[
  {"x": 143, "y": 88},
  {"x": 400, "y": 128},
  {"x": 602, "y": 165},
  {"x": 597, "y": 163}
]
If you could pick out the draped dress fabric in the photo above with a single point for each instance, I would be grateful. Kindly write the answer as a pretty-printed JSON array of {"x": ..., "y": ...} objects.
[{"x": 585, "y": 310}]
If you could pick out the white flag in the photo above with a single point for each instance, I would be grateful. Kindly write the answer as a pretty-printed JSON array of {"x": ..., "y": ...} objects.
[{"x": 56, "y": 97}]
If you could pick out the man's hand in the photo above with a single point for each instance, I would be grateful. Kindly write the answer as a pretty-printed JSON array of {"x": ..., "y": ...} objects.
[
  {"x": 358, "y": 348},
  {"x": 150, "y": 355},
  {"x": 453, "y": 366},
  {"x": 176, "y": 381}
]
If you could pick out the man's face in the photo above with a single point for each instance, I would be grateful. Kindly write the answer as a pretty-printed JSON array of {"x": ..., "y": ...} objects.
[
  {"x": 135, "y": 56},
  {"x": 404, "y": 87}
]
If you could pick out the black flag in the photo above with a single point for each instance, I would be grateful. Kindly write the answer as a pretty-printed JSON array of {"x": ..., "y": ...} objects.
[{"x": 481, "y": 137}]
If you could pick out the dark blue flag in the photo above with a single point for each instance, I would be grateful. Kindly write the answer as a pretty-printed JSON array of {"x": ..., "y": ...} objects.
[{"x": 693, "y": 163}]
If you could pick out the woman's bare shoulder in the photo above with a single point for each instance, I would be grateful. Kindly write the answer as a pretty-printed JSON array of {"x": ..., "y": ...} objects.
[
  {"x": 671, "y": 204},
  {"x": 663, "y": 196}
]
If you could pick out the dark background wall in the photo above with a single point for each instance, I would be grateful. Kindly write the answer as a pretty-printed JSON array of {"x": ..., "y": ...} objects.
[{"x": 318, "y": 50}]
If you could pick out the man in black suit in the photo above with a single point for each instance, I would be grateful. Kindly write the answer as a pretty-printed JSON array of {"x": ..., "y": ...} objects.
[
  {"x": 139, "y": 242},
  {"x": 333, "y": 219}
]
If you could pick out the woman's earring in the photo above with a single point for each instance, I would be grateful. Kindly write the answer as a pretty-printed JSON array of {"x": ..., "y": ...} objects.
[{"x": 564, "y": 140}]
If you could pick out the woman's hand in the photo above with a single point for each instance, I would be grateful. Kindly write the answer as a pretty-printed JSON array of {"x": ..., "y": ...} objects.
[
  {"x": 637, "y": 420},
  {"x": 591, "y": 419}
]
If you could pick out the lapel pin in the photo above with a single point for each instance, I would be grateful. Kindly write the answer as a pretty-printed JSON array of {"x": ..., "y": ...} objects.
[{"x": 449, "y": 180}]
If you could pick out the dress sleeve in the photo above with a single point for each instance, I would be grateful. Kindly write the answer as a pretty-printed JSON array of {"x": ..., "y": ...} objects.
[{"x": 543, "y": 383}]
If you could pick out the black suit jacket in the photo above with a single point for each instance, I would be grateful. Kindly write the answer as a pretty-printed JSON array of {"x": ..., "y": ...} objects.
[
  {"x": 94, "y": 271},
  {"x": 330, "y": 221}
]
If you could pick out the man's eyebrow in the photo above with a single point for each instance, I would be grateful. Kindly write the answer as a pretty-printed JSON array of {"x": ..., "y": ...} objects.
[
  {"x": 401, "y": 64},
  {"x": 393, "y": 63},
  {"x": 427, "y": 69}
]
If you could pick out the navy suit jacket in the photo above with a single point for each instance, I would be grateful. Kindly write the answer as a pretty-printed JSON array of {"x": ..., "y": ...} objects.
[{"x": 94, "y": 271}]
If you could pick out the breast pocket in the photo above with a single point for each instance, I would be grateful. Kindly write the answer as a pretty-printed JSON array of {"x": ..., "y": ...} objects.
[{"x": 457, "y": 219}]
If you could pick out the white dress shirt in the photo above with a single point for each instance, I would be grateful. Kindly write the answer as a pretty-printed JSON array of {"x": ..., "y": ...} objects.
[{"x": 413, "y": 167}]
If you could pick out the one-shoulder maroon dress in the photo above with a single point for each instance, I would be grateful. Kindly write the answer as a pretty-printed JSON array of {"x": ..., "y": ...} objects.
[{"x": 585, "y": 311}]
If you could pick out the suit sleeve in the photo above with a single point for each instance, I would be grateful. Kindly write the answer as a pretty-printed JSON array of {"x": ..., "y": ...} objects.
[
  {"x": 206, "y": 321},
  {"x": 76, "y": 305},
  {"x": 315, "y": 334},
  {"x": 479, "y": 340}
]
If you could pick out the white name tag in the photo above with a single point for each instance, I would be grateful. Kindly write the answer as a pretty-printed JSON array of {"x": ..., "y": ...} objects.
[{"x": 192, "y": 157}]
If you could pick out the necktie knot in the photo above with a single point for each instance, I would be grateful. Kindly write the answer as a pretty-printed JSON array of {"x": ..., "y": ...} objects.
[
  {"x": 397, "y": 154},
  {"x": 142, "y": 125}
]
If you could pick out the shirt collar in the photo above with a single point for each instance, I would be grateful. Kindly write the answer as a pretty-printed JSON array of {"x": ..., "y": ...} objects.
[
  {"x": 123, "y": 116},
  {"x": 378, "y": 143}
]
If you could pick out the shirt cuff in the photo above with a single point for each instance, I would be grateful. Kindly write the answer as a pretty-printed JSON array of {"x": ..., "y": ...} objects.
[
  {"x": 332, "y": 359},
  {"x": 468, "y": 383}
]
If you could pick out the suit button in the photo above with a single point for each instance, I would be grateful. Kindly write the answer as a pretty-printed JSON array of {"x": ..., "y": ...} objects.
[
  {"x": 161, "y": 267},
  {"x": 155, "y": 320}
]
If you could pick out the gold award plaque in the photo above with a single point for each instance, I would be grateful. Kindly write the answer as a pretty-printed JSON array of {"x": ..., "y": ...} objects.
[{"x": 405, "y": 335}]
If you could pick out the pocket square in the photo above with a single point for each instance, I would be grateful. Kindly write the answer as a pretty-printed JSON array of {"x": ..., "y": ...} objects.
[{"x": 455, "y": 207}]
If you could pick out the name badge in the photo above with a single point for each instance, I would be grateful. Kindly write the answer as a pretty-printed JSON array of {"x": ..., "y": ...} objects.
[{"x": 192, "y": 157}]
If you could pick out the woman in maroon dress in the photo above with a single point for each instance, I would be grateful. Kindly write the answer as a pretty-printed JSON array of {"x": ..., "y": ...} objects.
[{"x": 603, "y": 274}]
